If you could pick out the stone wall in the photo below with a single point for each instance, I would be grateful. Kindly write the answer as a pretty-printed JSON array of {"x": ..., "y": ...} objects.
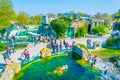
[
  {"x": 76, "y": 49},
  {"x": 10, "y": 70}
]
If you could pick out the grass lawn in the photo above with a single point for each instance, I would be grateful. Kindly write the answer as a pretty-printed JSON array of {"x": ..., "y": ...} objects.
[{"x": 105, "y": 54}]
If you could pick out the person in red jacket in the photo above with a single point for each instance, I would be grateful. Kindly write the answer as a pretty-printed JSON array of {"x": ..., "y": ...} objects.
[
  {"x": 55, "y": 41},
  {"x": 28, "y": 55}
]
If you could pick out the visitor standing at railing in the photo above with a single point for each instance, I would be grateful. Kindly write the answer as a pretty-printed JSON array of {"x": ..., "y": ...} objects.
[
  {"x": 25, "y": 52},
  {"x": 60, "y": 46},
  {"x": 8, "y": 50},
  {"x": 64, "y": 41},
  {"x": 13, "y": 46},
  {"x": 27, "y": 56},
  {"x": 70, "y": 47},
  {"x": 57, "y": 48},
  {"x": 55, "y": 41}
]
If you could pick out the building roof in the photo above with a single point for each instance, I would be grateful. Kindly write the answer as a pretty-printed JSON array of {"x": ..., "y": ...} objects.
[{"x": 98, "y": 20}]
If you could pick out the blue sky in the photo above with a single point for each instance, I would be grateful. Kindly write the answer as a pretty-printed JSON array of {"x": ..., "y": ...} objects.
[{"x": 33, "y": 7}]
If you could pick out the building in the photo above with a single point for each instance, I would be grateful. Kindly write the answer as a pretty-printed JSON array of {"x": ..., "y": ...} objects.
[{"x": 97, "y": 22}]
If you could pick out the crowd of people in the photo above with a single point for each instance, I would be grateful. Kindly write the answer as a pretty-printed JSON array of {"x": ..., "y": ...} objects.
[
  {"x": 25, "y": 56},
  {"x": 92, "y": 60},
  {"x": 60, "y": 46},
  {"x": 92, "y": 44},
  {"x": 56, "y": 46}
]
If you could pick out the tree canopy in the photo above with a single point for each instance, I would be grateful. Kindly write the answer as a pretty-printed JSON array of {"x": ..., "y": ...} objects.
[
  {"x": 67, "y": 20},
  {"x": 106, "y": 17},
  {"x": 81, "y": 31},
  {"x": 36, "y": 20},
  {"x": 7, "y": 13},
  {"x": 60, "y": 26},
  {"x": 22, "y": 18},
  {"x": 117, "y": 14},
  {"x": 82, "y": 14}
]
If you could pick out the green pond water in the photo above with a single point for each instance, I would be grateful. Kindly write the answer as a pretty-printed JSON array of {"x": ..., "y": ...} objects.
[{"x": 43, "y": 69}]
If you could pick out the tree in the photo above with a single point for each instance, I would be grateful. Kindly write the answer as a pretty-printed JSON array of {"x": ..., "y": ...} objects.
[
  {"x": 72, "y": 12},
  {"x": 107, "y": 18},
  {"x": 7, "y": 13},
  {"x": 37, "y": 20},
  {"x": 117, "y": 15},
  {"x": 103, "y": 29},
  {"x": 81, "y": 31},
  {"x": 67, "y": 20},
  {"x": 60, "y": 15},
  {"x": 82, "y": 14},
  {"x": 60, "y": 26},
  {"x": 22, "y": 18},
  {"x": 75, "y": 17},
  {"x": 98, "y": 15}
]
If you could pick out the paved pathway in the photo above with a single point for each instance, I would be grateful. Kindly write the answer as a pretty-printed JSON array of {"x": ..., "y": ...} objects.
[{"x": 34, "y": 50}]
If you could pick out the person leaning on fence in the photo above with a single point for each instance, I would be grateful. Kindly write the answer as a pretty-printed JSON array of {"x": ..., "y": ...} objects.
[
  {"x": 105, "y": 70},
  {"x": 88, "y": 58},
  {"x": 60, "y": 46},
  {"x": 27, "y": 55},
  {"x": 94, "y": 59},
  {"x": 8, "y": 50},
  {"x": 6, "y": 56},
  {"x": 70, "y": 47},
  {"x": 57, "y": 48}
]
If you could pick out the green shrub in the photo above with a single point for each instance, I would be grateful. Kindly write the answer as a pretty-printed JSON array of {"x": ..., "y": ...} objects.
[
  {"x": 114, "y": 59},
  {"x": 2, "y": 46},
  {"x": 81, "y": 32},
  {"x": 113, "y": 42},
  {"x": 95, "y": 30},
  {"x": 103, "y": 29}
]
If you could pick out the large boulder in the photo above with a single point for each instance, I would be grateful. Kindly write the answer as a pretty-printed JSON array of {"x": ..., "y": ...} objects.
[
  {"x": 76, "y": 49},
  {"x": 114, "y": 40},
  {"x": 118, "y": 64},
  {"x": 45, "y": 52},
  {"x": 10, "y": 70}
]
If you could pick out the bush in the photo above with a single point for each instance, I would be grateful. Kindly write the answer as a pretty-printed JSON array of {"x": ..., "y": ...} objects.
[
  {"x": 81, "y": 32},
  {"x": 101, "y": 29},
  {"x": 95, "y": 30},
  {"x": 113, "y": 42},
  {"x": 2, "y": 46},
  {"x": 114, "y": 59}
]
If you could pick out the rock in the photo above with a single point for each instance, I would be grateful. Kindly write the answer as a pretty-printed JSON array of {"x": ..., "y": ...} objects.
[
  {"x": 10, "y": 70},
  {"x": 114, "y": 40},
  {"x": 118, "y": 64},
  {"x": 45, "y": 52},
  {"x": 77, "y": 50}
]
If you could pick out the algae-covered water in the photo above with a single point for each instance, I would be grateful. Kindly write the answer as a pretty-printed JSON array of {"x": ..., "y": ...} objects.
[{"x": 43, "y": 69}]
